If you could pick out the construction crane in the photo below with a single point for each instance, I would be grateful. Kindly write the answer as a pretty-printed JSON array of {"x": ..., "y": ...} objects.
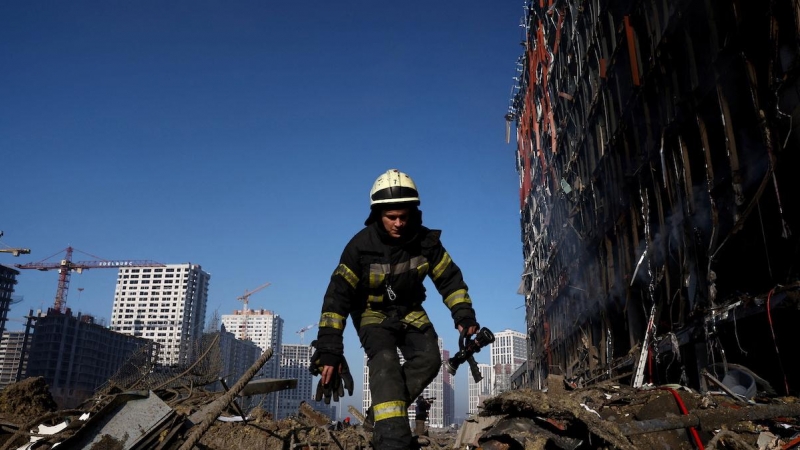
[
  {"x": 245, "y": 299},
  {"x": 66, "y": 266},
  {"x": 14, "y": 251},
  {"x": 303, "y": 330}
]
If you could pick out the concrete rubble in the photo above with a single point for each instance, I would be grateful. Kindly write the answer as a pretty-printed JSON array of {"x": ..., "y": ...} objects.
[
  {"x": 605, "y": 415},
  {"x": 609, "y": 415}
]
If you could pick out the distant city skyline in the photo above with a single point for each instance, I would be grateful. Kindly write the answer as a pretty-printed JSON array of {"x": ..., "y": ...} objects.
[
  {"x": 245, "y": 137},
  {"x": 265, "y": 328},
  {"x": 234, "y": 322}
]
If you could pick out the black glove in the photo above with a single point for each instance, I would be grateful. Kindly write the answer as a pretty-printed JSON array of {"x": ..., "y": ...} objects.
[
  {"x": 340, "y": 380},
  {"x": 467, "y": 322},
  {"x": 464, "y": 335},
  {"x": 321, "y": 359}
]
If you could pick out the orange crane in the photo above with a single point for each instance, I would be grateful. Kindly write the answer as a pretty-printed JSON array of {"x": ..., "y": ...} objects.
[
  {"x": 66, "y": 266},
  {"x": 245, "y": 298},
  {"x": 303, "y": 330}
]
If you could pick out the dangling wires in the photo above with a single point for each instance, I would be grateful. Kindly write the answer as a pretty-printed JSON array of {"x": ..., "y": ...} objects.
[
  {"x": 685, "y": 412},
  {"x": 775, "y": 341}
]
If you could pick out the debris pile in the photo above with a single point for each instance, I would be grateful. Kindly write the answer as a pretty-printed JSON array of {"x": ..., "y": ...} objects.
[
  {"x": 616, "y": 416},
  {"x": 166, "y": 420},
  {"x": 147, "y": 409},
  {"x": 605, "y": 415},
  {"x": 28, "y": 398},
  {"x": 143, "y": 408}
]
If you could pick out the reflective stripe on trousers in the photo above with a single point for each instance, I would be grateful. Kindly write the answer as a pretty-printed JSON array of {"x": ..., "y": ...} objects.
[{"x": 391, "y": 383}]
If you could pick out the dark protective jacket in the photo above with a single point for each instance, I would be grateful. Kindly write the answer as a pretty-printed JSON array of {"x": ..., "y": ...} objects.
[{"x": 373, "y": 266}]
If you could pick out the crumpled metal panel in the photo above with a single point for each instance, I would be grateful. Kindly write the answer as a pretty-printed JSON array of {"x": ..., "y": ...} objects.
[
  {"x": 472, "y": 429},
  {"x": 128, "y": 419}
]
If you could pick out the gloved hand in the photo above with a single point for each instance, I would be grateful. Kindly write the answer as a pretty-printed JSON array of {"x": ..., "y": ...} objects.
[
  {"x": 468, "y": 325},
  {"x": 320, "y": 359},
  {"x": 340, "y": 378}
]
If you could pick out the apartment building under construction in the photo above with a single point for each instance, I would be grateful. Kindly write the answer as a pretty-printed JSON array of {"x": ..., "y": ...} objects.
[{"x": 76, "y": 356}]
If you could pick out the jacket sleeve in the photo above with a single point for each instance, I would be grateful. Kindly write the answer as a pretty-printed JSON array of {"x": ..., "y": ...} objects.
[
  {"x": 336, "y": 306},
  {"x": 447, "y": 278}
]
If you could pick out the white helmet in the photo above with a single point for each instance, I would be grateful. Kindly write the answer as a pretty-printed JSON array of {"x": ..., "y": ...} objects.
[{"x": 393, "y": 187}]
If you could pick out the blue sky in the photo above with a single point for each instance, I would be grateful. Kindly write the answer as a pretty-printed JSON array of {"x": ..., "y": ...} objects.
[{"x": 244, "y": 136}]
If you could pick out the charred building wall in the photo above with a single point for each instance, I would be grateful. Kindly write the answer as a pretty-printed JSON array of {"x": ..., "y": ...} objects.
[{"x": 657, "y": 149}]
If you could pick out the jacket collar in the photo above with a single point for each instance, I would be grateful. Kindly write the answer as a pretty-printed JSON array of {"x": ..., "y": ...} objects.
[{"x": 383, "y": 235}]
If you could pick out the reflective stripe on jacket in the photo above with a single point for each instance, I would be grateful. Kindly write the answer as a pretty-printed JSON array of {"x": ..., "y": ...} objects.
[{"x": 370, "y": 266}]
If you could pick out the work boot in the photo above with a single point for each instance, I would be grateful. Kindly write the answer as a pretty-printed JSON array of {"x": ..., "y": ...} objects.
[{"x": 420, "y": 442}]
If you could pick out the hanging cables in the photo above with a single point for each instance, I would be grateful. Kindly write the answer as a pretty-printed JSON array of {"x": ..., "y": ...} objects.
[{"x": 775, "y": 340}]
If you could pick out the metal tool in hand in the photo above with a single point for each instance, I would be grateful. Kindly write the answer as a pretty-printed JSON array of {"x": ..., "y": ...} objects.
[{"x": 467, "y": 348}]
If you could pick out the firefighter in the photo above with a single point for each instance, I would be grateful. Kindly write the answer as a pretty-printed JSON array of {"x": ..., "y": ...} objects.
[
  {"x": 379, "y": 284},
  {"x": 421, "y": 409}
]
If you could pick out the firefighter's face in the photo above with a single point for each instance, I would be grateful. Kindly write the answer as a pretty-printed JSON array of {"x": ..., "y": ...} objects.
[{"x": 395, "y": 221}]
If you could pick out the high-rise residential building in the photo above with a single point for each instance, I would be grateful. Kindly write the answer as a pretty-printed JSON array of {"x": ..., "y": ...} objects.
[
  {"x": 265, "y": 329},
  {"x": 509, "y": 351},
  {"x": 448, "y": 394},
  {"x": 237, "y": 356},
  {"x": 76, "y": 356},
  {"x": 8, "y": 278},
  {"x": 295, "y": 359},
  {"x": 11, "y": 352},
  {"x": 164, "y": 304},
  {"x": 481, "y": 390},
  {"x": 436, "y": 389}
]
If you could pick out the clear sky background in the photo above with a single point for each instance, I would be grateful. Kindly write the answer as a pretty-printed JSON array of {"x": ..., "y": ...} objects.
[{"x": 244, "y": 136}]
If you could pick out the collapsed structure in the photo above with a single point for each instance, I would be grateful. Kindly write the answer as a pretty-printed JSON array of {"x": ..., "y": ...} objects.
[{"x": 655, "y": 145}]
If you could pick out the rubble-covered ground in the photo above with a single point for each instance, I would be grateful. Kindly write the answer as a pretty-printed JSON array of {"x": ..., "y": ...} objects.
[
  {"x": 601, "y": 416},
  {"x": 293, "y": 433},
  {"x": 29, "y": 398},
  {"x": 28, "y": 404},
  {"x": 609, "y": 415}
]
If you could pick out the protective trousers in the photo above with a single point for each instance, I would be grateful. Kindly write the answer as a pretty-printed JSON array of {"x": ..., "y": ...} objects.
[
  {"x": 419, "y": 427},
  {"x": 392, "y": 385}
]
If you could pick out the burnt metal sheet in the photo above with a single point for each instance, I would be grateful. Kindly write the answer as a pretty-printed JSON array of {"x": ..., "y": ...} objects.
[
  {"x": 267, "y": 385},
  {"x": 472, "y": 429}
]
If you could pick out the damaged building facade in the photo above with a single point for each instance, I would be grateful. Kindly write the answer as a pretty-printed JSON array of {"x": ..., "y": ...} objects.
[{"x": 656, "y": 146}]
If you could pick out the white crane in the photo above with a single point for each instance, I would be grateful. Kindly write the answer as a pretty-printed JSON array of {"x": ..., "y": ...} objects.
[
  {"x": 14, "y": 251},
  {"x": 246, "y": 312},
  {"x": 303, "y": 330}
]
